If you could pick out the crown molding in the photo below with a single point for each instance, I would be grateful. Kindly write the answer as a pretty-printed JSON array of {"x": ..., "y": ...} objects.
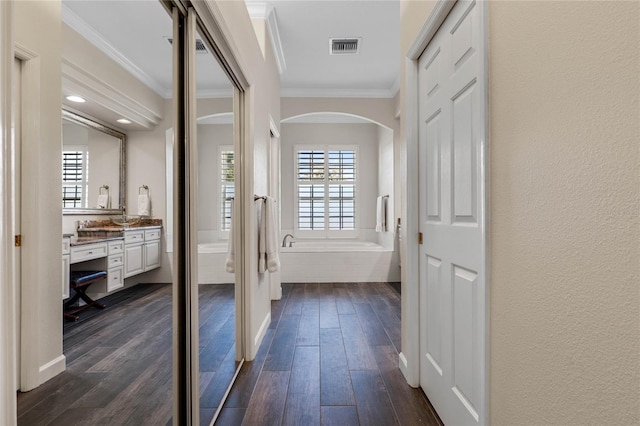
[
  {"x": 79, "y": 25},
  {"x": 395, "y": 87},
  {"x": 84, "y": 83},
  {"x": 258, "y": 9},
  {"x": 276, "y": 41},
  {"x": 336, "y": 93},
  {"x": 261, "y": 10}
]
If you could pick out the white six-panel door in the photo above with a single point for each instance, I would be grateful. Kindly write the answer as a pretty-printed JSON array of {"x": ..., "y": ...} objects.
[{"x": 452, "y": 108}]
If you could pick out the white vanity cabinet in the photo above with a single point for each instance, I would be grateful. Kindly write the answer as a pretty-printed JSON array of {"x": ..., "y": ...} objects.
[
  {"x": 133, "y": 253},
  {"x": 151, "y": 249},
  {"x": 142, "y": 251},
  {"x": 115, "y": 265}
]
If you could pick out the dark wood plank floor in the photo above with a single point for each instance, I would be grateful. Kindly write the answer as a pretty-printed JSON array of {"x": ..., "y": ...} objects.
[
  {"x": 330, "y": 357},
  {"x": 119, "y": 361}
]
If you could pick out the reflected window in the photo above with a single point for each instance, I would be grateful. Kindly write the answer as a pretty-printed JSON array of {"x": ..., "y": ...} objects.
[
  {"x": 227, "y": 185},
  {"x": 75, "y": 172}
]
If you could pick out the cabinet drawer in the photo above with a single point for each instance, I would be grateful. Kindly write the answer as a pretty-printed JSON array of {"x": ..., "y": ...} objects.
[
  {"x": 115, "y": 278},
  {"x": 116, "y": 247},
  {"x": 115, "y": 260},
  {"x": 66, "y": 246},
  {"x": 152, "y": 234},
  {"x": 88, "y": 252},
  {"x": 131, "y": 237}
]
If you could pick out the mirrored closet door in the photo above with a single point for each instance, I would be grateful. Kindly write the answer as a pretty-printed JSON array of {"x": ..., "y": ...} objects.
[{"x": 218, "y": 360}]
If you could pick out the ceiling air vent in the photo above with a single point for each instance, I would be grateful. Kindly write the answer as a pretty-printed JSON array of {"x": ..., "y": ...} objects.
[
  {"x": 344, "y": 46},
  {"x": 200, "y": 47}
]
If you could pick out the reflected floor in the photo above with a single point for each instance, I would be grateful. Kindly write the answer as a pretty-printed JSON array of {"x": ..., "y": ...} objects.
[{"x": 119, "y": 361}]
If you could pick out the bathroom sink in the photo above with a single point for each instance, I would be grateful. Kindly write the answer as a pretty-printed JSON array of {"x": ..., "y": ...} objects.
[{"x": 126, "y": 221}]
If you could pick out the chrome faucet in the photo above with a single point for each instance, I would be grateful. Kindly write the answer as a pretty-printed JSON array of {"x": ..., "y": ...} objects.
[{"x": 284, "y": 241}]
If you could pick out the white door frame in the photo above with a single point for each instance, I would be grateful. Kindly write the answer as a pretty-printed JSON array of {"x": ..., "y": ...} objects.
[
  {"x": 410, "y": 355},
  {"x": 275, "y": 191},
  {"x": 7, "y": 330}
]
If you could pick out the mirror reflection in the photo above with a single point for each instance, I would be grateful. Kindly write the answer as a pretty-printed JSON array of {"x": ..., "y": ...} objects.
[
  {"x": 218, "y": 356},
  {"x": 92, "y": 167}
]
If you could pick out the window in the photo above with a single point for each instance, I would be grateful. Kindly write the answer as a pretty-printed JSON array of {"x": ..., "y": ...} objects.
[
  {"x": 75, "y": 173},
  {"x": 227, "y": 186},
  {"x": 326, "y": 191}
]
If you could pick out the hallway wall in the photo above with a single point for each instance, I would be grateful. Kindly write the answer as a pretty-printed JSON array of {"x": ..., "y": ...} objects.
[
  {"x": 564, "y": 179},
  {"x": 41, "y": 189}
]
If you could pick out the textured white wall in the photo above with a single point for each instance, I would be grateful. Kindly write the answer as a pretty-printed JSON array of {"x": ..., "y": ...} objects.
[
  {"x": 564, "y": 90},
  {"x": 564, "y": 216}
]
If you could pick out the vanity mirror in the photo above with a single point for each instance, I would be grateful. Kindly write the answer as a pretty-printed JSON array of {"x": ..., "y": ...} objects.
[{"x": 93, "y": 167}]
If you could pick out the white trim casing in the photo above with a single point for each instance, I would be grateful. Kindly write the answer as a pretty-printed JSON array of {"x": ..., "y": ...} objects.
[
  {"x": 410, "y": 308},
  {"x": 7, "y": 315}
]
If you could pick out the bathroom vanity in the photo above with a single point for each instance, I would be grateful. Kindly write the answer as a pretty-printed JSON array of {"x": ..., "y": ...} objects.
[{"x": 121, "y": 251}]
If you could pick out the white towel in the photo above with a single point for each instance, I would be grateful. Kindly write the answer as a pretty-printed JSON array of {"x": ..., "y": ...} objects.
[
  {"x": 230, "y": 265},
  {"x": 262, "y": 238},
  {"x": 103, "y": 201},
  {"x": 381, "y": 215},
  {"x": 144, "y": 205},
  {"x": 272, "y": 233}
]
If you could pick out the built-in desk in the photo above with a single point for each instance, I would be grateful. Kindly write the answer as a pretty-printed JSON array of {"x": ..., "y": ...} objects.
[
  {"x": 135, "y": 251},
  {"x": 103, "y": 254}
]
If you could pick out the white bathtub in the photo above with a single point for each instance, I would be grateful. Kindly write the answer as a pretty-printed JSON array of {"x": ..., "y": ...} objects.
[
  {"x": 311, "y": 262},
  {"x": 338, "y": 261},
  {"x": 212, "y": 258},
  {"x": 331, "y": 246}
]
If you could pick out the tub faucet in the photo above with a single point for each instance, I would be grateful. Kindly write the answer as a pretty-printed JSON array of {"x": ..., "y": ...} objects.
[{"x": 284, "y": 241}]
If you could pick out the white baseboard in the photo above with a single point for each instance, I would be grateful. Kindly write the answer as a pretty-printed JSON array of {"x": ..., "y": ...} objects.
[
  {"x": 404, "y": 368},
  {"x": 52, "y": 368},
  {"x": 261, "y": 332}
]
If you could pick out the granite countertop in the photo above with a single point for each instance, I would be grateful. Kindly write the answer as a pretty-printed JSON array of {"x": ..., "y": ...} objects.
[
  {"x": 109, "y": 225},
  {"x": 116, "y": 228},
  {"x": 78, "y": 241},
  {"x": 109, "y": 229}
]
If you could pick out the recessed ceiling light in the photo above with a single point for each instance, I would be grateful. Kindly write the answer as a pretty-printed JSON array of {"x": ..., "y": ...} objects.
[
  {"x": 74, "y": 98},
  {"x": 123, "y": 121}
]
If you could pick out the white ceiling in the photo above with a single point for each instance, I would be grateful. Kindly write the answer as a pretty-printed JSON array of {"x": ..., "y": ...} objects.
[
  {"x": 305, "y": 28},
  {"x": 134, "y": 33}
]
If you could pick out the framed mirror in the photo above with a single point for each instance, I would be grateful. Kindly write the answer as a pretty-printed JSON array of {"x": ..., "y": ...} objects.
[{"x": 93, "y": 167}]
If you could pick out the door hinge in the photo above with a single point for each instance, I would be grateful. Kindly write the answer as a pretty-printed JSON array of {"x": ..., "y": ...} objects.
[
  {"x": 17, "y": 240},
  {"x": 419, "y": 237}
]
